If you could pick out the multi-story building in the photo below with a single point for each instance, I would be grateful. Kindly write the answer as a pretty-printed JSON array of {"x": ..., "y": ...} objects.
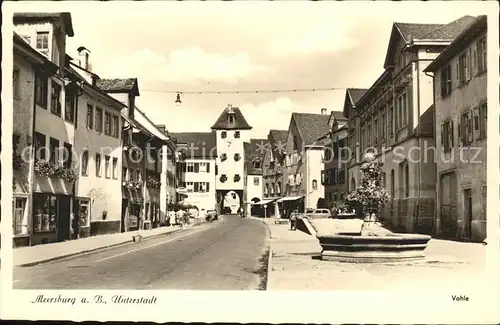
[
  {"x": 98, "y": 143},
  {"x": 335, "y": 158},
  {"x": 254, "y": 156},
  {"x": 273, "y": 169},
  {"x": 231, "y": 130},
  {"x": 28, "y": 63},
  {"x": 460, "y": 103},
  {"x": 394, "y": 118},
  {"x": 304, "y": 161},
  {"x": 53, "y": 129},
  {"x": 168, "y": 174},
  {"x": 142, "y": 141},
  {"x": 197, "y": 169}
]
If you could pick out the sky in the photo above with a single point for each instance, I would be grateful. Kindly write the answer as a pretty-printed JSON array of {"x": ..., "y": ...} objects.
[{"x": 231, "y": 46}]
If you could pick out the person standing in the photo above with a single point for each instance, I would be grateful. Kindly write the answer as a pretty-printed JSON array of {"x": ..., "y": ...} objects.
[{"x": 293, "y": 220}]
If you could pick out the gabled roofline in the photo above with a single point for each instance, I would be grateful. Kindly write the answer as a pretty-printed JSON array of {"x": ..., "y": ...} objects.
[
  {"x": 372, "y": 87},
  {"x": 35, "y": 56},
  {"x": 477, "y": 26},
  {"x": 30, "y": 16}
]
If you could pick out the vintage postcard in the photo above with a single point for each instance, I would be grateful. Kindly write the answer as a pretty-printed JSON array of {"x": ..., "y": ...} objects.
[{"x": 250, "y": 161}]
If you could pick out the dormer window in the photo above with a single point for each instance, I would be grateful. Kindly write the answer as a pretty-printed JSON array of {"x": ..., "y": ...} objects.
[
  {"x": 257, "y": 164},
  {"x": 223, "y": 134},
  {"x": 230, "y": 119},
  {"x": 42, "y": 43},
  {"x": 237, "y": 134}
]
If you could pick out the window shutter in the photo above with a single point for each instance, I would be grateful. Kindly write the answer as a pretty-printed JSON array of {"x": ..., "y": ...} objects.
[
  {"x": 452, "y": 135},
  {"x": 196, "y": 167},
  {"x": 474, "y": 58},
  {"x": 442, "y": 134},
  {"x": 207, "y": 186},
  {"x": 463, "y": 126},
  {"x": 459, "y": 126},
  {"x": 323, "y": 177},
  {"x": 208, "y": 167},
  {"x": 458, "y": 71},
  {"x": 470, "y": 130},
  {"x": 469, "y": 65}
]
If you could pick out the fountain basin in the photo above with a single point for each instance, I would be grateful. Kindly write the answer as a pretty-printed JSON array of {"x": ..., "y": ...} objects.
[{"x": 354, "y": 248}]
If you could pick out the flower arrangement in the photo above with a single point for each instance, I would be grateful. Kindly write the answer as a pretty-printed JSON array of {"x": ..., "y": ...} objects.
[
  {"x": 65, "y": 173},
  {"x": 153, "y": 181},
  {"x": 17, "y": 161},
  {"x": 370, "y": 196},
  {"x": 44, "y": 168},
  {"x": 47, "y": 169},
  {"x": 135, "y": 184}
]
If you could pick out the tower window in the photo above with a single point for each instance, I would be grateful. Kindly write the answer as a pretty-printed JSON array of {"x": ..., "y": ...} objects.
[
  {"x": 237, "y": 134},
  {"x": 223, "y": 134}
]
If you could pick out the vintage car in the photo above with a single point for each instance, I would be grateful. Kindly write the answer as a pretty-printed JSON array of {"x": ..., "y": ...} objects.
[{"x": 318, "y": 214}]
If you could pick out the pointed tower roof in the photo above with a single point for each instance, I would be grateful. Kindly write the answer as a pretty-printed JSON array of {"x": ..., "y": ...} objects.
[{"x": 236, "y": 122}]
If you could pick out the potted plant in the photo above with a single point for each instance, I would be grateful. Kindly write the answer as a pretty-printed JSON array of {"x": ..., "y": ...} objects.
[{"x": 370, "y": 196}]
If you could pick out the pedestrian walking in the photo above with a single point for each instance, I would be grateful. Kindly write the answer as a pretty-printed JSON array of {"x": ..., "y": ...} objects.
[{"x": 293, "y": 219}]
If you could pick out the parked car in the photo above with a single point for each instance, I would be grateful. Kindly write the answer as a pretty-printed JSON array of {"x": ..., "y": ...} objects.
[
  {"x": 212, "y": 214},
  {"x": 318, "y": 213}
]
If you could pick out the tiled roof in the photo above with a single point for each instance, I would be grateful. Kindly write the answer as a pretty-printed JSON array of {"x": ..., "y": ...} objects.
[
  {"x": 434, "y": 31},
  {"x": 426, "y": 32},
  {"x": 356, "y": 94},
  {"x": 239, "y": 123},
  {"x": 311, "y": 126},
  {"x": 119, "y": 85},
  {"x": 479, "y": 25},
  {"x": 20, "y": 17},
  {"x": 255, "y": 149},
  {"x": 198, "y": 145},
  {"x": 450, "y": 31},
  {"x": 338, "y": 115},
  {"x": 278, "y": 136},
  {"x": 416, "y": 31}
]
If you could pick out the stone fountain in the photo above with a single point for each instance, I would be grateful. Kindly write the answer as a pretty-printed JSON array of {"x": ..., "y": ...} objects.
[{"x": 373, "y": 243}]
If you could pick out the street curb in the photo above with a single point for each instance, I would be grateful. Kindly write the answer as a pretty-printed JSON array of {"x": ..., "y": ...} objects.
[
  {"x": 71, "y": 255},
  {"x": 269, "y": 266}
]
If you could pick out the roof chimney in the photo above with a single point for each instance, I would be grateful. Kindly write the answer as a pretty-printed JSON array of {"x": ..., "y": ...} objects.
[
  {"x": 323, "y": 111},
  {"x": 84, "y": 53}
]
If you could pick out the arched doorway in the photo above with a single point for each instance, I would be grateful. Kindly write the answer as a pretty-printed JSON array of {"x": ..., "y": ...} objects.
[{"x": 232, "y": 202}]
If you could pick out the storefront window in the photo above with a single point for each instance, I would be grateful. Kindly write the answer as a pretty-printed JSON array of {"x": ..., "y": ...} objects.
[
  {"x": 83, "y": 212},
  {"x": 19, "y": 207},
  {"x": 45, "y": 212}
]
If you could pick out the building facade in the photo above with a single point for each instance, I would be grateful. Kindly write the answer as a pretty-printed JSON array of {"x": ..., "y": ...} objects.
[
  {"x": 53, "y": 129},
  {"x": 394, "y": 118},
  {"x": 460, "y": 101},
  {"x": 335, "y": 157},
  {"x": 28, "y": 63},
  {"x": 98, "y": 143},
  {"x": 304, "y": 161},
  {"x": 254, "y": 154},
  {"x": 197, "y": 169},
  {"x": 231, "y": 130},
  {"x": 273, "y": 168}
]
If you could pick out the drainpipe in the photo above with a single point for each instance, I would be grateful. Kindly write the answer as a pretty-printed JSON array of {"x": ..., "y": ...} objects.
[
  {"x": 32, "y": 164},
  {"x": 79, "y": 93},
  {"x": 437, "y": 214}
]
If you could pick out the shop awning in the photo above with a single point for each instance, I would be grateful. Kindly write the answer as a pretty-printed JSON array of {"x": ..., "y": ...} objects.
[
  {"x": 290, "y": 198},
  {"x": 263, "y": 202}
]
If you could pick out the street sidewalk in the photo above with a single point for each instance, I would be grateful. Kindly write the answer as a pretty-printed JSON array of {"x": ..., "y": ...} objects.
[
  {"x": 294, "y": 265},
  {"x": 29, "y": 256}
]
